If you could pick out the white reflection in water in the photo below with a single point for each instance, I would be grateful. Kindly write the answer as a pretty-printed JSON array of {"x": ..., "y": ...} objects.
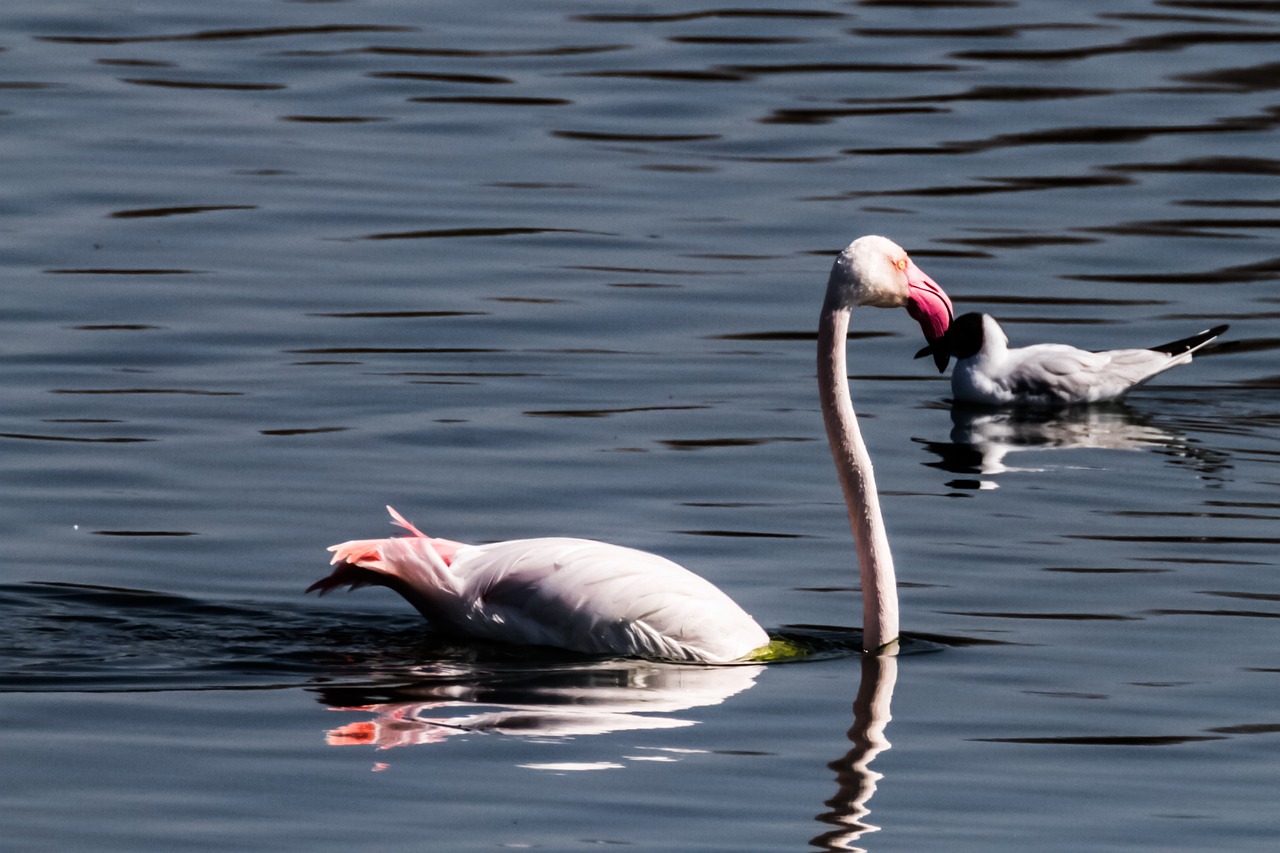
[
  {"x": 617, "y": 696},
  {"x": 613, "y": 696},
  {"x": 982, "y": 440},
  {"x": 573, "y": 766}
]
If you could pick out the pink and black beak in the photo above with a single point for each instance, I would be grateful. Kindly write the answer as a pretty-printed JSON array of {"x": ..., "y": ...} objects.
[{"x": 931, "y": 308}]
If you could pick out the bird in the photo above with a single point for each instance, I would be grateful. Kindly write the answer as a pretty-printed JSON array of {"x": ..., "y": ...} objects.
[
  {"x": 989, "y": 372},
  {"x": 598, "y": 598}
]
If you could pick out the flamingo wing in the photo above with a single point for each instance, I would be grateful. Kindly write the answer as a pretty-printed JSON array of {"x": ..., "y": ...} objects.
[
  {"x": 575, "y": 594},
  {"x": 599, "y": 598}
]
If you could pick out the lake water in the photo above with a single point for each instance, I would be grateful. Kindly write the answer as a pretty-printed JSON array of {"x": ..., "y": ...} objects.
[{"x": 554, "y": 268}]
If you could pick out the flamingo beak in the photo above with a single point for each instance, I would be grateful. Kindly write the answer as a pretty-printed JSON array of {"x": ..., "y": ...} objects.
[{"x": 931, "y": 308}]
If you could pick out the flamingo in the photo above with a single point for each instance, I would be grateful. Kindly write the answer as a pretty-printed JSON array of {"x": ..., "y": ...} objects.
[
  {"x": 598, "y": 598},
  {"x": 989, "y": 372}
]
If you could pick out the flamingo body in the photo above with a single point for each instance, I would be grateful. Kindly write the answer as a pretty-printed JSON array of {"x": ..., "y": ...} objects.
[
  {"x": 990, "y": 372},
  {"x": 598, "y": 598},
  {"x": 576, "y": 594}
]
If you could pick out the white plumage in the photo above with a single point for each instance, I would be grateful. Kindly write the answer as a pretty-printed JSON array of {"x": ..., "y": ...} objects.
[
  {"x": 989, "y": 372},
  {"x": 575, "y": 594}
]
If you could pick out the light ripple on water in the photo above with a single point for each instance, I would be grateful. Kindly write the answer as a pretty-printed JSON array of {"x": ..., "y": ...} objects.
[
  {"x": 71, "y": 637},
  {"x": 63, "y": 637}
]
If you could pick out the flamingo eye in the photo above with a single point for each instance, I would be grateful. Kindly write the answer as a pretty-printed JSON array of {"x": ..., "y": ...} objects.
[{"x": 901, "y": 264}]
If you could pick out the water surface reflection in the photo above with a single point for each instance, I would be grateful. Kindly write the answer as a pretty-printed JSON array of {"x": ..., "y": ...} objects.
[
  {"x": 855, "y": 779},
  {"x": 983, "y": 439},
  {"x": 590, "y": 698}
]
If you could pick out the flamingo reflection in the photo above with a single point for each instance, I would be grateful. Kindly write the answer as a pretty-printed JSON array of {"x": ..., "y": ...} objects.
[
  {"x": 605, "y": 697},
  {"x": 855, "y": 779},
  {"x": 590, "y": 699}
]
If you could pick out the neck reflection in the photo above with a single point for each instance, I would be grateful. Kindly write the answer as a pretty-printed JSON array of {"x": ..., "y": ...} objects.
[{"x": 855, "y": 779}]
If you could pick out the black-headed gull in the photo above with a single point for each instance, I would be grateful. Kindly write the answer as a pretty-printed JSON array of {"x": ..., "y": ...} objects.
[{"x": 989, "y": 372}]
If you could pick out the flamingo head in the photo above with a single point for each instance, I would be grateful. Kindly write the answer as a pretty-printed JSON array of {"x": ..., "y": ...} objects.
[{"x": 874, "y": 270}]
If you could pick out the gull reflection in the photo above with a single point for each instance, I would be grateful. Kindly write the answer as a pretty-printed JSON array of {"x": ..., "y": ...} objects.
[
  {"x": 586, "y": 699},
  {"x": 983, "y": 439},
  {"x": 854, "y": 776}
]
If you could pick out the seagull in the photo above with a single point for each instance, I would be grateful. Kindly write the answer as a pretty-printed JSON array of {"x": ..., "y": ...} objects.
[{"x": 989, "y": 372}]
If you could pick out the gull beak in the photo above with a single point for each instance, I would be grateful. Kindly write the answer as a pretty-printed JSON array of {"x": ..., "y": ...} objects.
[{"x": 941, "y": 352}]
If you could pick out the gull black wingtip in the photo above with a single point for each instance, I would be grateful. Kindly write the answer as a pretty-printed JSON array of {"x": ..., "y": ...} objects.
[{"x": 1192, "y": 343}]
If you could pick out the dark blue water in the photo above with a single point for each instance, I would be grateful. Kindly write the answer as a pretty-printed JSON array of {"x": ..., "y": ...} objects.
[{"x": 554, "y": 269}]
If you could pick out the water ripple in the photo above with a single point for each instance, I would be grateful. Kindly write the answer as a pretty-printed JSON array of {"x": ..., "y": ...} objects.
[
  {"x": 201, "y": 84},
  {"x": 1164, "y": 42},
  {"x": 183, "y": 210},
  {"x": 705, "y": 14},
  {"x": 1103, "y": 740},
  {"x": 65, "y": 637},
  {"x": 230, "y": 34}
]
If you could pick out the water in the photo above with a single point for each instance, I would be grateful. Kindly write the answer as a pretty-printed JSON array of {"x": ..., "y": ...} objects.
[{"x": 553, "y": 268}]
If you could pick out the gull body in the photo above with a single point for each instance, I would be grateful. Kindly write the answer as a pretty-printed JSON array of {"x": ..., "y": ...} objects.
[
  {"x": 599, "y": 598},
  {"x": 990, "y": 372}
]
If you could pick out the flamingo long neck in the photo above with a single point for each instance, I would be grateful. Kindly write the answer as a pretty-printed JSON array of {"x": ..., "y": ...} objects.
[{"x": 853, "y": 464}]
